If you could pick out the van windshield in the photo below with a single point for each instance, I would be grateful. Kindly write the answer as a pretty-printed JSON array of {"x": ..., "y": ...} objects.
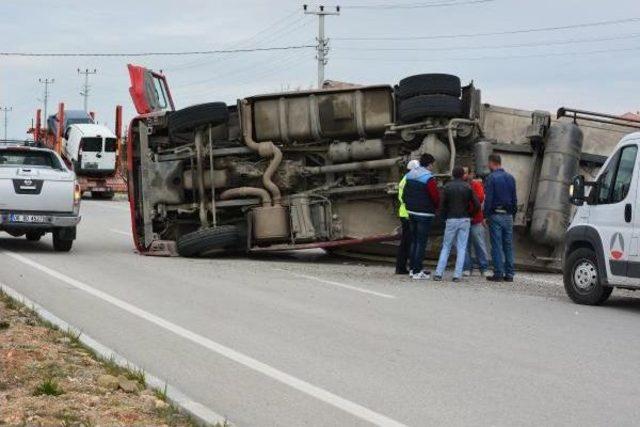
[
  {"x": 43, "y": 159},
  {"x": 91, "y": 145}
]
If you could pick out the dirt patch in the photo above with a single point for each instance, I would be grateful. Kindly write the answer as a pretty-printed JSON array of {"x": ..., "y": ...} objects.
[{"x": 47, "y": 378}]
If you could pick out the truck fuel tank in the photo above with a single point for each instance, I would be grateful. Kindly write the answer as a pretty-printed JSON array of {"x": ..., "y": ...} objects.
[{"x": 338, "y": 114}]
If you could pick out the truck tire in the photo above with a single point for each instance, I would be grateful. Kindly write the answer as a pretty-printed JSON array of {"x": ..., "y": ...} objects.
[
  {"x": 207, "y": 240},
  {"x": 582, "y": 280},
  {"x": 429, "y": 84},
  {"x": 420, "y": 107},
  {"x": 190, "y": 118},
  {"x": 34, "y": 236},
  {"x": 61, "y": 241}
]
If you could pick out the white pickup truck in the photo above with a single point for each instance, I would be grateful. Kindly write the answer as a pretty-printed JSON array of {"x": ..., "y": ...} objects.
[{"x": 38, "y": 195}]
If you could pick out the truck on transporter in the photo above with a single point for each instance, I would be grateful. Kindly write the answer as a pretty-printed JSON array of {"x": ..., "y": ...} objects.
[{"x": 92, "y": 150}]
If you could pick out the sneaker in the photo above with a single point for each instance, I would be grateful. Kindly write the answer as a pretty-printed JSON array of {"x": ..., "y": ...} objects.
[
  {"x": 423, "y": 275},
  {"x": 495, "y": 278},
  {"x": 437, "y": 278},
  {"x": 402, "y": 272},
  {"x": 484, "y": 274},
  {"x": 508, "y": 279},
  {"x": 456, "y": 279},
  {"x": 466, "y": 273}
]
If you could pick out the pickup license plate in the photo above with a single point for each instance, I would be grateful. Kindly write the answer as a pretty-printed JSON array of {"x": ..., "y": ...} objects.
[{"x": 37, "y": 219}]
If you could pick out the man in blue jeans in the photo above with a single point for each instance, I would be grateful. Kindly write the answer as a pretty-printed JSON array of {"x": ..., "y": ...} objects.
[
  {"x": 500, "y": 208},
  {"x": 422, "y": 199},
  {"x": 459, "y": 203}
]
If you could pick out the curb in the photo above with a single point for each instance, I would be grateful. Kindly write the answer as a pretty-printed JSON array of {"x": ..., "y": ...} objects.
[{"x": 200, "y": 413}]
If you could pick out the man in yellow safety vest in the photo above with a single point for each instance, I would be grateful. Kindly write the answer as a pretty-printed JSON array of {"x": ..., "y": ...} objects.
[{"x": 405, "y": 240}]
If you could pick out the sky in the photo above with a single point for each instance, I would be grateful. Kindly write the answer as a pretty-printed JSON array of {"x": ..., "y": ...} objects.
[{"x": 592, "y": 67}]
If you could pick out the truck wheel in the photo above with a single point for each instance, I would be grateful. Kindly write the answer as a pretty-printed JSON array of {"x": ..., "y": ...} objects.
[
  {"x": 582, "y": 279},
  {"x": 420, "y": 107},
  {"x": 209, "y": 239},
  {"x": 190, "y": 118},
  {"x": 33, "y": 236},
  {"x": 429, "y": 84}
]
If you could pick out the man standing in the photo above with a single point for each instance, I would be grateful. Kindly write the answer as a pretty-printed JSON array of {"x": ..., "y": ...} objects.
[
  {"x": 457, "y": 199},
  {"x": 477, "y": 235},
  {"x": 500, "y": 207},
  {"x": 422, "y": 198},
  {"x": 405, "y": 239}
]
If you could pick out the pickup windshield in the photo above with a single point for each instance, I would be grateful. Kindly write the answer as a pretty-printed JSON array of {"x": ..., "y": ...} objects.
[{"x": 43, "y": 159}]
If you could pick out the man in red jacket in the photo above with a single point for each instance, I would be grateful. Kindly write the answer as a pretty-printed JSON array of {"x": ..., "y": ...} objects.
[{"x": 477, "y": 233}]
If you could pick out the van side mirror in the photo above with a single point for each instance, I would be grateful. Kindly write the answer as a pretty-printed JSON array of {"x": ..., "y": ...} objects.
[{"x": 576, "y": 190}]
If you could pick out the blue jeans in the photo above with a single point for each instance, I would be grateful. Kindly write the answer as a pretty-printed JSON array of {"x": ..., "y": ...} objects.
[
  {"x": 501, "y": 231},
  {"x": 477, "y": 242},
  {"x": 420, "y": 227},
  {"x": 457, "y": 230}
]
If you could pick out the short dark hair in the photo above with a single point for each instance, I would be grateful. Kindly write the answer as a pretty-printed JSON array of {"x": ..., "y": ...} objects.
[
  {"x": 495, "y": 158},
  {"x": 458, "y": 172},
  {"x": 426, "y": 159}
]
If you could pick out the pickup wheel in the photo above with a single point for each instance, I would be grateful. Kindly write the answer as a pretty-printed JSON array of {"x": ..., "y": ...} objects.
[
  {"x": 209, "y": 240},
  {"x": 34, "y": 236},
  {"x": 582, "y": 280},
  {"x": 190, "y": 118},
  {"x": 63, "y": 239}
]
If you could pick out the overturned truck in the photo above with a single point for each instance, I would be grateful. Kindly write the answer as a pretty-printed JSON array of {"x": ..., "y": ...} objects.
[{"x": 319, "y": 169}]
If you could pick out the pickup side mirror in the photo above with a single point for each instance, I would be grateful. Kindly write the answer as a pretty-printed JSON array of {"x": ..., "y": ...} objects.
[{"x": 576, "y": 190}]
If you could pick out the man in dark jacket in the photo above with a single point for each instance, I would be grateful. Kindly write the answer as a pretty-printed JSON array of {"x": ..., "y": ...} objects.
[
  {"x": 459, "y": 203},
  {"x": 500, "y": 208},
  {"x": 422, "y": 199}
]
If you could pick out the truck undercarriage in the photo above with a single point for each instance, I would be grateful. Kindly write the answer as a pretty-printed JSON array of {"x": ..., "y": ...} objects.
[{"x": 320, "y": 168}]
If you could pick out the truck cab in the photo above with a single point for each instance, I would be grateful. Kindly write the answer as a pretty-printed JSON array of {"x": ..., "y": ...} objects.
[{"x": 602, "y": 244}]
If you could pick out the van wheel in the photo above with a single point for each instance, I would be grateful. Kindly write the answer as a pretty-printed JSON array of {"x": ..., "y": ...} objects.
[
  {"x": 209, "y": 240},
  {"x": 190, "y": 118},
  {"x": 582, "y": 279}
]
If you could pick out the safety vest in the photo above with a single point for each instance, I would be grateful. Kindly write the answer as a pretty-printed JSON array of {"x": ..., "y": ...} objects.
[{"x": 402, "y": 210}]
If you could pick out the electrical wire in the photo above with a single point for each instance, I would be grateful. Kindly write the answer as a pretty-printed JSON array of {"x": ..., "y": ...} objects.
[
  {"x": 499, "y": 46},
  {"x": 141, "y": 54},
  {"x": 495, "y": 33},
  {"x": 442, "y": 3},
  {"x": 482, "y": 58}
]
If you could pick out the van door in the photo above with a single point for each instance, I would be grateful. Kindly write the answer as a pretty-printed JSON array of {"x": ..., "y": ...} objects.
[
  {"x": 613, "y": 211},
  {"x": 149, "y": 90},
  {"x": 90, "y": 154}
]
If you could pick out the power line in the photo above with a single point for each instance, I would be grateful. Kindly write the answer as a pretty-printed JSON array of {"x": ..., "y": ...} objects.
[
  {"x": 482, "y": 58},
  {"x": 495, "y": 33},
  {"x": 6, "y": 110},
  {"x": 443, "y": 3},
  {"x": 46, "y": 82},
  {"x": 479, "y": 47},
  {"x": 139, "y": 54},
  {"x": 86, "y": 88}
]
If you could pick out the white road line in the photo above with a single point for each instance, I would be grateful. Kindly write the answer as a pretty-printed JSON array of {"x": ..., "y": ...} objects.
[
  {"x": 124, "y": 233},
  {"x": 307, "y": 388},
  {"x": 338, "y": 284}
]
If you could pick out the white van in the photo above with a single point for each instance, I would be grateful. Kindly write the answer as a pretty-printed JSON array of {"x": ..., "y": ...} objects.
[
  {"x": 602, "y": 244},
  {"x": 92, "y": 149}
]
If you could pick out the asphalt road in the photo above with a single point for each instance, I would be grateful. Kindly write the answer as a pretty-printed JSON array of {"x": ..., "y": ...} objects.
[{"x": 307, "y": 339}]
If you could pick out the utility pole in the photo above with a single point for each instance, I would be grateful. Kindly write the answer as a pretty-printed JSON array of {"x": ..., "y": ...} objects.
[
  {"x": 323, "y": 42},
  {"x": 46, "y": 82},
  {"x": 85, "y": 88},
  {"x": 6, "y": 110}
]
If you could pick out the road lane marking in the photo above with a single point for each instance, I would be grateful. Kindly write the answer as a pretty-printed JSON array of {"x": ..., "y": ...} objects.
[
  {"x": 307, "y": 388},
  {"x": 124, "y": 233},
  {"x": 338, "y": 284}
]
